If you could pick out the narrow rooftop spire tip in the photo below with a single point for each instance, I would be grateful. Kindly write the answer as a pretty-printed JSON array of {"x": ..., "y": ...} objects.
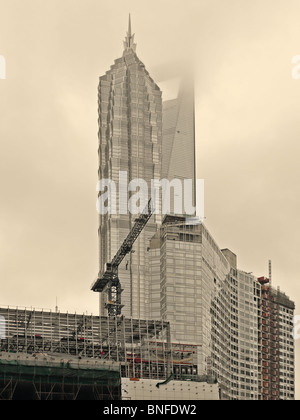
[{"x": 129, "y": 39}]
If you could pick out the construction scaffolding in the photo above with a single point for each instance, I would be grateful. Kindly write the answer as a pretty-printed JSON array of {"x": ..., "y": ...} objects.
[
  {"x": 56, "y": 377},
  {"x": 269, "y": 341},
  {"x": 142, "y": 348}
]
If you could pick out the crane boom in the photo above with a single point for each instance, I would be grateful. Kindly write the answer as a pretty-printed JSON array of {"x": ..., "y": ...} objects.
[
  {"x": 109, "y": 279},
  {"x": 139, "y": 225}
]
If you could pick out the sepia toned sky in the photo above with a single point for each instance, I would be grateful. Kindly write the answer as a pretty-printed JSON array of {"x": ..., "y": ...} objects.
[{"x": 247, "y": 133}]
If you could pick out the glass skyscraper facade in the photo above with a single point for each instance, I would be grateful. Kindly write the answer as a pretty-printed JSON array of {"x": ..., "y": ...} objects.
[{"x": 130, "y": 139}]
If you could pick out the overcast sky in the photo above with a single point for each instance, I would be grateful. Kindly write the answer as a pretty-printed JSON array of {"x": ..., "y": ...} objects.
[{"x": 247, "y": 133}]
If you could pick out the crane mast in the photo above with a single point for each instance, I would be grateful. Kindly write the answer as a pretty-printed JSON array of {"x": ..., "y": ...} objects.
[{"x": 109, "y": 279}]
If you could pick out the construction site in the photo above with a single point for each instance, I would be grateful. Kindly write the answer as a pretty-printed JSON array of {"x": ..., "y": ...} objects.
[
  {"x": 53, "y": 355},
  {"x": 49, "y": 355}
]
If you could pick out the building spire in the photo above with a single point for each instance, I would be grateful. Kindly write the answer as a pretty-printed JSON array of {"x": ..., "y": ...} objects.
[
  {"x": 129, "y": 26},
  {"x": 129, "y": 39}
]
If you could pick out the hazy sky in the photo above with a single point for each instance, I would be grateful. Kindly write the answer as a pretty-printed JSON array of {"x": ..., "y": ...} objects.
[{"x": 247, "y": 133}]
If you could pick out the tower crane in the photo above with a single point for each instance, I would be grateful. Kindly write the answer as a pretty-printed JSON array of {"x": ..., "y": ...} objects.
[{"x": 109, "y": 280}]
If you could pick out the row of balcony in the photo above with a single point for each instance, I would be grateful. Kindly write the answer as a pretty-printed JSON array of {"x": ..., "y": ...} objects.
[
  {"x": 270, "y": 378},
  {"x": 268, "y": 385},
  {"x": 267, "y": 322},
  {"x": 271, "y": 365},
  {"x": 270, "y": 315},
  {"x": 270, "y": 343},
  {"x": 269, "y": 303},
  {"x": 267, "y": 394},
  {"x": 270, "y": 330},
  {"x": 270, "y": 337}
]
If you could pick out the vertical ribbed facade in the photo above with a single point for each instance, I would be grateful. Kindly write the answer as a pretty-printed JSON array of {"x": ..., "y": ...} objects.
[
  {"x": 190, "y": 289},
  {"x": 130, "y": 137}
]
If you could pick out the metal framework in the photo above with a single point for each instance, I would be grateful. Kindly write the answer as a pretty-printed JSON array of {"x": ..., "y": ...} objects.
[
  {"x": 129, "y": 342},
  {"x": 270, "y": 348},
  {"x": 51, "y": 377},
  {"x": 109, "y": 279}
]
